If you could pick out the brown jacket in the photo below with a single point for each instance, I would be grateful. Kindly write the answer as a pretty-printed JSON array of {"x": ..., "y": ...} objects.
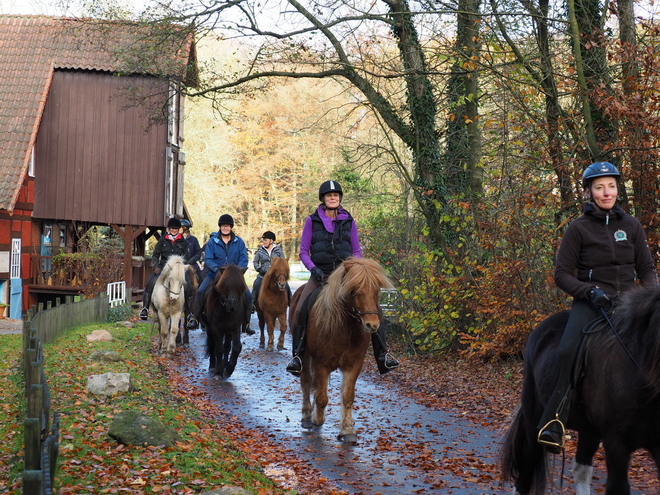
[{"x": 603, "y": 249}]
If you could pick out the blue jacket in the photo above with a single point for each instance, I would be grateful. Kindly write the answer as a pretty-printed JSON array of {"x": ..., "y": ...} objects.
[{"x": 217, "y": 254}]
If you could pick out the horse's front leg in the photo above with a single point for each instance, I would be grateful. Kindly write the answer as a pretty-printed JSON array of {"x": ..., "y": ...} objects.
[
  {"x": 236, "y": 347},
  {"x": 349, "y": 378},
  {"x": 270, "y": 325},
  {"x": 282, "y": 320},
  {"x": 320, "y": 387},
  {"x": 262, "y": 326},
  {"x": 618, "y": 460},
  {"x": 163, "y": 332},
  {"x": 172, "y": 333},
  {"x": 582, "y": 465}
]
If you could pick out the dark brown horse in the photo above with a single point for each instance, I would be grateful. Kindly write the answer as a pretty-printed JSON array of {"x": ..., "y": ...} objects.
[
  {"x": 339, "y": 329},
  {"x": 223, "y": 319},
  {"x": 616, "y": 400},
  {"x": 273, "y": 301}
]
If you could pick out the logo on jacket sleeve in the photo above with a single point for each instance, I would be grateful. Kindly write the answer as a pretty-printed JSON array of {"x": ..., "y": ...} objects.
[{"x": 620, "y": 235}]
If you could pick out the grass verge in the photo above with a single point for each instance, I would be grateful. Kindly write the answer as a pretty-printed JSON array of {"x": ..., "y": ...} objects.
[{"x": 90, "y": 461}]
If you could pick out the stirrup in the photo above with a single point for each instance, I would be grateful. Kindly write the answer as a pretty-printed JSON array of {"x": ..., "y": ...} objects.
[
  {"x": 547, "y": 431},
  {"x": 295, "y": 366},
  {"x": 144, "y": 313},
  {"x": 193, "y": 324},
  {"x": 393, "y": 363}
]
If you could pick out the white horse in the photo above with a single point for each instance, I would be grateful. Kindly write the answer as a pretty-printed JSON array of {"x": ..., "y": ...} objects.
[{"x": 167, "y": 300}]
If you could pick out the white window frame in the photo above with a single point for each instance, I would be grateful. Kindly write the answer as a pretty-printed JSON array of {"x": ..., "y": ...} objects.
[{"x": 15, "y": 270}]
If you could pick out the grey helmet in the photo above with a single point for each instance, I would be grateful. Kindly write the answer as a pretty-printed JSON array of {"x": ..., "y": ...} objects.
[
  {"x": 330, "y": 186},
  {"x": 599, "y": 169},
  {"x": 186, "y": 223}
]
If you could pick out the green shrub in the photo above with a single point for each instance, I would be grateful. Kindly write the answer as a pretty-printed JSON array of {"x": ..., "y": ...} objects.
[{"x": 120, "y": 313}]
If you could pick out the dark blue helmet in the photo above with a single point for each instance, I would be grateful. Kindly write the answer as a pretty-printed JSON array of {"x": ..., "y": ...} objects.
[{"x": 599, "y": 169}]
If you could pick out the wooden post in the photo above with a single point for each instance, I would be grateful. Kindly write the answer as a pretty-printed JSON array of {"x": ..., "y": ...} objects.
[
  {"x": 32, "y": 443},
  {"x": 128, "y": 234}
]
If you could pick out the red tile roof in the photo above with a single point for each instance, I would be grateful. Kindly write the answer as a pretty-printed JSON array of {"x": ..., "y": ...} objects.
[{"x": 32, "y": 47}]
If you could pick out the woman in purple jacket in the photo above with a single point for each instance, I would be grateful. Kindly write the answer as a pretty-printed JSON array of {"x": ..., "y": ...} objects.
[
  {"x": 329, "y": 237},
  {"x": 603, "y": 253}
]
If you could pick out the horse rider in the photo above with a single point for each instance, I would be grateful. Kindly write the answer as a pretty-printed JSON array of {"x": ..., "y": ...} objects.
[
  {"x": 329, "y": 237},
  {"x": 224, "y": 248},
  {"x": 603, "y": 252},
  {"x": 172, "y": 243},
  {"x": 194, "y": 248},
  {"x": 261, "y": 261}
]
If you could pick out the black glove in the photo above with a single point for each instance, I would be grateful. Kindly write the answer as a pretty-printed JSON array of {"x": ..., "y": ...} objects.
[
  {"x": 600, "y": 299},
  {"x": 318, "y": 274}
]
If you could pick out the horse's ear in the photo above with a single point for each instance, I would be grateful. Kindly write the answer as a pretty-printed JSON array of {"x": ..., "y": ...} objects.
[{"x": 244, "y": 269}]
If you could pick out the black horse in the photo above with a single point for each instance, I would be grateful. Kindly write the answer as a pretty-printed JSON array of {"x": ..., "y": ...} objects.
[
  {"x": 223, "y": 318},
  {"x": 616, "y": 399}
]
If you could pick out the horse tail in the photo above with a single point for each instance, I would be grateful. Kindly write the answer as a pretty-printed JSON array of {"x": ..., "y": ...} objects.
[{"x": 522, "y": 459}]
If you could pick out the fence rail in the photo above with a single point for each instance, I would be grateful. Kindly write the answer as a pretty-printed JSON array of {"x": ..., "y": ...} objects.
[{"x": 41, "y": 441}]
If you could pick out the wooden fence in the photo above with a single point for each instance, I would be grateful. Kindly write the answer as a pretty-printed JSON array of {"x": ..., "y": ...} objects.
[{"x": 41, "y": 436}]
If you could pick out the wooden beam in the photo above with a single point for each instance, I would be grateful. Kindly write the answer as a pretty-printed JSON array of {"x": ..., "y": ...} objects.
[{"x": 128, "y": 235}]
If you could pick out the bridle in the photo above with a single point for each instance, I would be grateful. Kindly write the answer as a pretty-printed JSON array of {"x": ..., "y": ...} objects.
[
  {"x": 356, "y": 313},
  {"x": 277, "y": 283}
]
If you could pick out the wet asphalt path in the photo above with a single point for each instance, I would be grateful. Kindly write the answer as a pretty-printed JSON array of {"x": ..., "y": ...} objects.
[{"x": 403, "y": 447}]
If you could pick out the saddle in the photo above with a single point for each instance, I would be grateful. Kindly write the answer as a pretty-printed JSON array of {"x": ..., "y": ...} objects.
[
  {"x": 307, "y": 306},
  {"x": 588, "y": 335}
]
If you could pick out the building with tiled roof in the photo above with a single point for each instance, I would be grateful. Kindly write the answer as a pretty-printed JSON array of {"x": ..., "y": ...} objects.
[{"x": 90, "y": 115}]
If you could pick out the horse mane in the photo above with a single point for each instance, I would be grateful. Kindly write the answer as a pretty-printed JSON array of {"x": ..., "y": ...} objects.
[
  {"x": 229, "y": 278},
  {"x": 352, "y": 276},
  {"x": 277, "y": 265},
  {"x": 637, "y": 321},
  {"x": 174, "y": 268}
]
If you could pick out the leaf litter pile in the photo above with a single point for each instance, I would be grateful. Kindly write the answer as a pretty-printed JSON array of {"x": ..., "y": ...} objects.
[{"x": 216, "y": 450}]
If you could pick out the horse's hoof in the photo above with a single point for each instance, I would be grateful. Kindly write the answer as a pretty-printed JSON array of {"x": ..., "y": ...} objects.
[
  {"x": 262, "y": 345},
  {"x": 270, "y": 348},
  {"x": 307, "y": 424},
  {"x": 280, "y": 347},
  {"x": 349, "y": 438}
]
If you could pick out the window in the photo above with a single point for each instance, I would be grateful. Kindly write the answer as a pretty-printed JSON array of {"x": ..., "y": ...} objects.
[{"x": 15, "y": 258}]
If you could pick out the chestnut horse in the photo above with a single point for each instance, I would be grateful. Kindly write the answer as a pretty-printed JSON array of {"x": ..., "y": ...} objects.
[
  {"x": 167, "y": 299},
  {"x": 339, "y": 329},
  {"x": 273, "y": 301},
  {"x": 223, "y": 318},
  {"x": 616, "y": 399}
]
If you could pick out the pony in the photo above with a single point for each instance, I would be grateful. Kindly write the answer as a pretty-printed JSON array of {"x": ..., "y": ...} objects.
[
  {"x": 225, "y": 306},
  {"x": 167, "y": 300},
  {"x": 272, "y": 302},
  {"x": 616, "y": 398},
  {"x": 339, "y": 328}
]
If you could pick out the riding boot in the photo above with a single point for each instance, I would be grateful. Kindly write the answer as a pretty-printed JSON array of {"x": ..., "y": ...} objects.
[
  {"x": 192, "y": 322},
  {"x": 247, "y": 316},
  {"x": 146, "y": 300},
  {"x": 384, "y": 360},
  {"x": 295, "y": 366}
]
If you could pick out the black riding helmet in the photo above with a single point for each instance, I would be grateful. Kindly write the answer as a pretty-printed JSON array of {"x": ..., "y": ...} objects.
[
  {"x": 598, "y": 169},
  {"x": 174, "y": 223},
  {"x": 268, "y": 235},
  {"x": 330, "y": 186},
  {"x": 225, "y": 220}
]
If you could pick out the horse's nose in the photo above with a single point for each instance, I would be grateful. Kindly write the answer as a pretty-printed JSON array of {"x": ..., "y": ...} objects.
[{"x": 371, "y": 327}]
